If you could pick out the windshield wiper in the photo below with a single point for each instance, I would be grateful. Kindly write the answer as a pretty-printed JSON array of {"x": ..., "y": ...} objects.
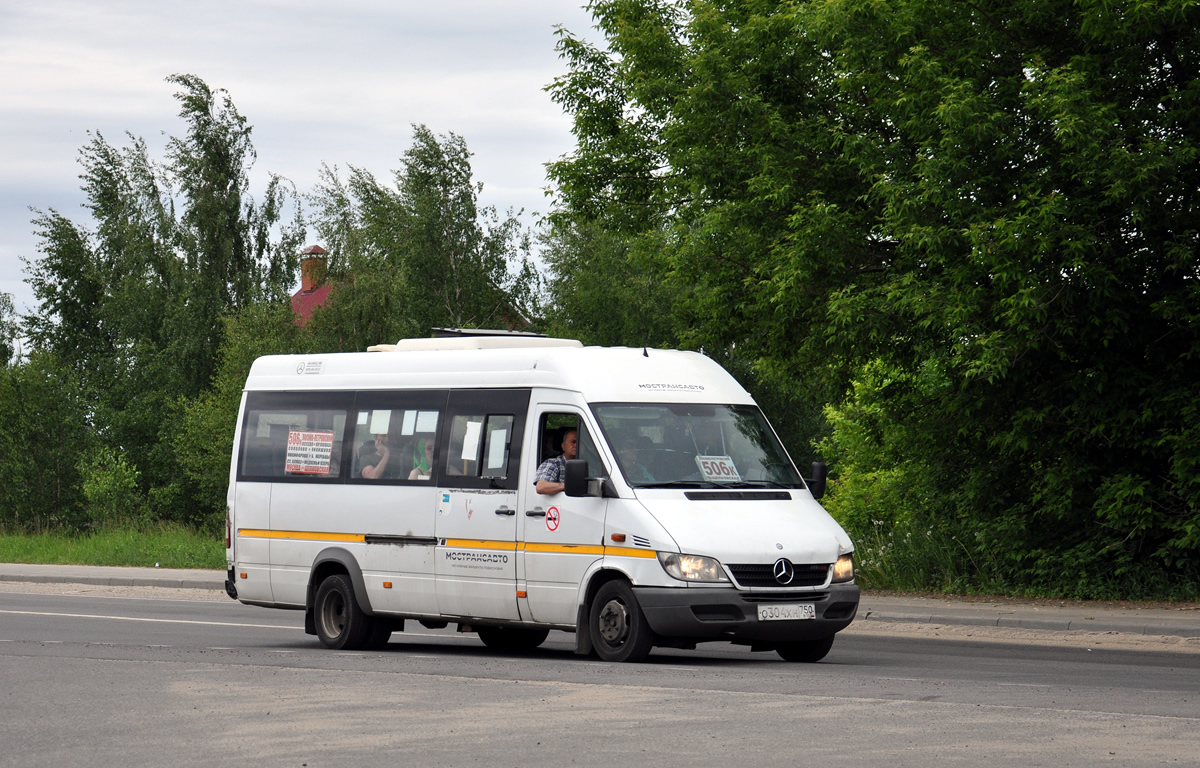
[{"x": 761, "y": 484}]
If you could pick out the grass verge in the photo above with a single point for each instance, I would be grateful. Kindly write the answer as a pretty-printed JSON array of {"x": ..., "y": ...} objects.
[{"x": 165, "y": 546}]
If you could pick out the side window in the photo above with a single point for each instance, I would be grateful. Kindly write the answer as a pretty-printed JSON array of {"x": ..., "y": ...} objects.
[
  {"x": 553, "y": 429},
  {"x": 480, "y": 445},
  {"x": 395, "y": 436},
  {"x": 483, "y": 445},
  {"x": 463, "y": 456},
  {"x": 497, "y": 443},
  {"x": 293, "y": 436}
]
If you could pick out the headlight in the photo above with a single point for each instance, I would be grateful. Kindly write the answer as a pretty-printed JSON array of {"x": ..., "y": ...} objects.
[
  {"x": 843, "y": 569},
  {"x": 692, "y": 567}
]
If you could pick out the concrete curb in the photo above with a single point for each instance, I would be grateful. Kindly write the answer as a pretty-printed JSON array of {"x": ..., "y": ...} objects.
[
  {"x": 115, "y": 577},
  {"x": 1128, "y": 625}
]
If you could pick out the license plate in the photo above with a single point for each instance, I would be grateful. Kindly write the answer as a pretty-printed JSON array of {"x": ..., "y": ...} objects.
[{"x": 786, "y": 612}]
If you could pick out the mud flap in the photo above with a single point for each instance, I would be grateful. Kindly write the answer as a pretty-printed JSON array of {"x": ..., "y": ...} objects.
[{"x": 583, "y": 634}]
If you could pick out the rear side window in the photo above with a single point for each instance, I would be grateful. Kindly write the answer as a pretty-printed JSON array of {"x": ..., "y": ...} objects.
[
  {"x": 395, "y": 436},
  {"x": 290, "y": 437}
]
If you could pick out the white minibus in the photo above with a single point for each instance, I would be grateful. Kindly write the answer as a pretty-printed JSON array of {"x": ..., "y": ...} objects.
[{"x": 402, "y": 484}]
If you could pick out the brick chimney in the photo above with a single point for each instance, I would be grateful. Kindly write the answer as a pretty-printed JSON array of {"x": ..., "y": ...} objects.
[
  {"x": 312, "y": 268},
  {"x": 313, "y": 288}
]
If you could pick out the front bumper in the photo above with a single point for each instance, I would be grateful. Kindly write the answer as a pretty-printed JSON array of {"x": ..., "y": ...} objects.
[{"x": 722, "y": 613}]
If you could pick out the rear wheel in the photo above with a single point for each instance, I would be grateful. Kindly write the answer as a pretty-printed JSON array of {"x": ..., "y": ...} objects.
[
  {"x": 512, "y": 638},
  {"x": 617, "y": 625},
  {"x": 808, "y": 651},
  {"x": 341, "y": 624}
]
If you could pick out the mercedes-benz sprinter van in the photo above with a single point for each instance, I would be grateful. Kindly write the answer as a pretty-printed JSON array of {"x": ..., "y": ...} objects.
[{"x": 402, "y": 484}]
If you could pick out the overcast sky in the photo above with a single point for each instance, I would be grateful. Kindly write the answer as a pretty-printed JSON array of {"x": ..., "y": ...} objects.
[{"x": 321, "y": 82}]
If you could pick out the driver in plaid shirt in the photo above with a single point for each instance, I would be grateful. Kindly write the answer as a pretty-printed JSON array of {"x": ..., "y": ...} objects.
[{"x": 551, "y": 472}]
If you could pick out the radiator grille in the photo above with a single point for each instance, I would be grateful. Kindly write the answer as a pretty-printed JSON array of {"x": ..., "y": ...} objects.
[{"x": 756, "y": 575}]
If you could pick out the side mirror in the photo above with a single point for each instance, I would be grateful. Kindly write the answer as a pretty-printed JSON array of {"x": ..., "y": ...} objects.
[
  {"x": 576, "y": 479},
  {"x": 816, "y": 485}
]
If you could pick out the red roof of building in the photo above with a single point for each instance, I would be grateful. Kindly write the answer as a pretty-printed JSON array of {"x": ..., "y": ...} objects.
[{"x": 304, "y": 302}]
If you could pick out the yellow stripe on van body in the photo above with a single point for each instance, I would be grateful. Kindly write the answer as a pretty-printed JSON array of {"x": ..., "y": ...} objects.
[
  {"x": 629, "y": 552},
  {"x": 585, "y": 549},
  {"x": 507, "y": 546},
  {"x": 301, "y": 535},
  {"x": 570, "y": 549}
]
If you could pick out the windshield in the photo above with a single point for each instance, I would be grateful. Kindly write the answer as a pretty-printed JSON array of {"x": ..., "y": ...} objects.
[{"x": 695, "y": 446}]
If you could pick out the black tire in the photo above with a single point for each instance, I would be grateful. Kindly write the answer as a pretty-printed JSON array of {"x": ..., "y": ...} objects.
[
  {"x": 617, "y": 625},
  {"x": 807, "y": 651},
  {"x": 513, "y": 639},
  {"x": 341, "y": 624}
]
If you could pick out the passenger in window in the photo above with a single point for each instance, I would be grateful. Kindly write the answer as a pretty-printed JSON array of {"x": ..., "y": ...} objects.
[
  {"x": 377, "y": 458},
  {"x": 423, "y": 460},
  {"x": 635, "y": 453},
  {"x": 552, "y": 472}
]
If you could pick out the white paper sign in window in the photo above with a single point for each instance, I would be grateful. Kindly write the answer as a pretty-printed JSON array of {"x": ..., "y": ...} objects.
[
  {"x": 718, "y": 469},
  {"x": 497, "y": 443},
  {"x": 308, "y": 452},
  {"x": 471, "y": 440}
]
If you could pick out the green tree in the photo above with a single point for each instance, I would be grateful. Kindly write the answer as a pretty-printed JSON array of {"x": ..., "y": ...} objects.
[
  {"x": 602, "y": 290},
  {"x": 420, "y": 255},
  {"x": 44, "y": 435},
  {"x": 1004, "y": 194},
  {"x": 134, "y": 303},
  {"x": 8, "y": 330},
  {"x": 204, "y": 441}
]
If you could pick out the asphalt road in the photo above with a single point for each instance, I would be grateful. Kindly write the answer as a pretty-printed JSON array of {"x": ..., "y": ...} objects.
[{"x": 107, "y": 681}]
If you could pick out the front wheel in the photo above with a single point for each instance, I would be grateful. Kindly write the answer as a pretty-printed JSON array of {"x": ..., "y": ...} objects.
[
  {"x": 617, "y": 625},
  {"x": 809, "y": 651},
  {"x": 341, "y": 624},
  {"x": 512, "y": 638}
]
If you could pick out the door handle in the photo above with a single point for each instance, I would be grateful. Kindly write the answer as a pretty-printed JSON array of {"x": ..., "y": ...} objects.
[
  {"x": 539, "y": 512},
  {"x": 506, "y": 511}
]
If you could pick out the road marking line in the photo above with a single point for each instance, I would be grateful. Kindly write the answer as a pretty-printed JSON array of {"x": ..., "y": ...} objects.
[{"x": 155, "y": 621}]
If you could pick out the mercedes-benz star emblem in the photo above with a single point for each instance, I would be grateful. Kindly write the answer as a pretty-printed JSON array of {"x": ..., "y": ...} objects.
[{"x": 783, "y": 571}]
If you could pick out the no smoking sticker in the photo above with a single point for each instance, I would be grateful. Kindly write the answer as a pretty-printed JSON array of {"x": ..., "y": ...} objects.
[{"x": 552, "y": 518}]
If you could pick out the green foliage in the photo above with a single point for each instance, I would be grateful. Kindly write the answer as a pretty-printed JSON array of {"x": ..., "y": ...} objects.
[
  {"x": 8, "y": 330},
  {"x": 134, "y": 303},
  {"x": 979, "y": 222},
  {"x": 420, "y": 255},
  {"x": 603, "y": 290},
  {"x": 110, "y": 490},
  {"x": 204, "y": 442},
  {"x": 44, "y": 434}
]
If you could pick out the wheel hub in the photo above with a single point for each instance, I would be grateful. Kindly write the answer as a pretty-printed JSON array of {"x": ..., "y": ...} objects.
[
  {"x": 614, "y": 622},
  {"x": 333, "y": 615}
]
